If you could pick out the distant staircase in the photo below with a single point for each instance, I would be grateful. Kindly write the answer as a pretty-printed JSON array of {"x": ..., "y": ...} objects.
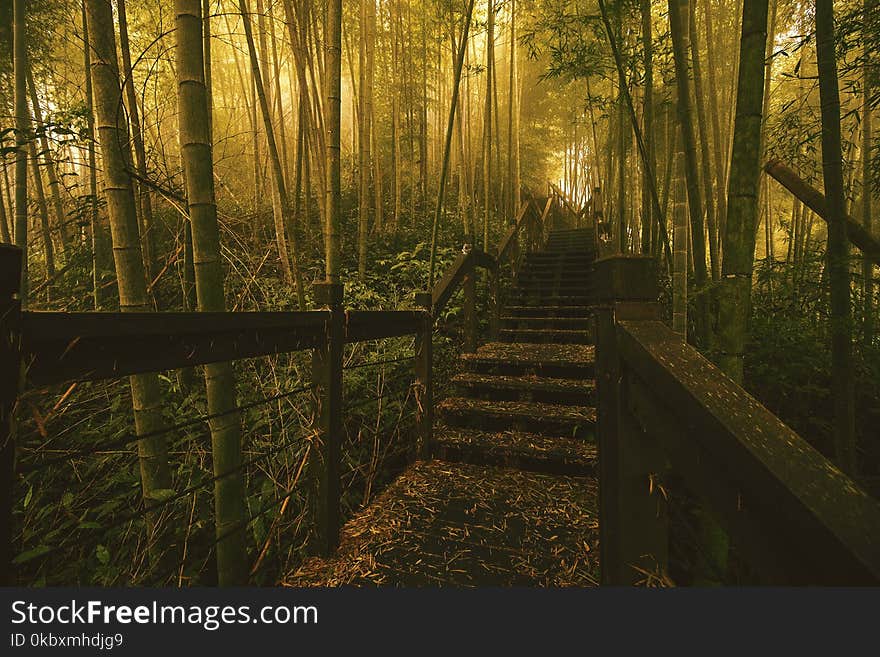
[{"x": 528, "y": 401}]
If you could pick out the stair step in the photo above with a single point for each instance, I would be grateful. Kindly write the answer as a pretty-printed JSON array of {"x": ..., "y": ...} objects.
[
  {"x": 530, "y": 285},
  {"x": 557, "y": 336},
  {"x": 570, "y": 361},
  {"x": 534, "y": 417},
  {"x": 569, "y": 256},
  {"x": 549, "y": 311},
  {"x": 553, "y": 323},
  {"x": 579, "y": 392},
  {"x": 551, "y": 299},
  {"x": 516, "y": 449}
]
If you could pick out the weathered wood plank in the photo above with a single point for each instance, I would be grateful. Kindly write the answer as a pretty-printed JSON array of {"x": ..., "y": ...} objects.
[
  {"x": 88, "y": 346},
  {"x": 818, "y": 518},
  {"x": 508, "y": 241},
  {"x": 364, "y": 325},
  {"x": 454, "y": 276}
]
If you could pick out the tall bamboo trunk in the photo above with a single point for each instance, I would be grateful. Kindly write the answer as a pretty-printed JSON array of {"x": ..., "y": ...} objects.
[
  {"x": 842, "y": 383},
  {"x": 648, "y": 218},
  {"x": 333, "y": 94},
  {"x": 511, "y": 204},
  {"x": 290, "y": 262},
  {"x": 5, "y": 228},
  {"x": 22, "y": 131},
  {"x": 868, "y": 315},
  {"x": 43, "y": 213},
  {"x": 51, "y": 174},
  {"x": 679, "y": 19},
  {"x": 444, "y": 167},
  {"x": 97, "y": 238},
  {"x": 487, "y": 129},
  {"x": 706, "y": 177},
  {"x": 718, "y": 141},
  {"x": 679, "y": 248},
  {"x": 113, "y": 136},
  {"x": 142, "y": 191},
  {"x": 195, "y": 140}
]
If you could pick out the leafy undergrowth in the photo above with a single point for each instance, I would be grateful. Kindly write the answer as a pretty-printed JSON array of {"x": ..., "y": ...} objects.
[{"x": 80, "y": 516}]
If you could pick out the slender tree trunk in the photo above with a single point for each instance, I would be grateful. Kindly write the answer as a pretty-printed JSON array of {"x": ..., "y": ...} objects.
[
  {"x": 742, "y": 193},
  {"x": 22, "y": 135},
  {"x": 396, "y": 84},
  {"x": 706, "y": 177},
  {"x": 195, "y": 140},
  {"x": 679, "y": 16},
  {"x": 113, "y": 136},
  {"x": 512, "y": 184},
  {"x": 365, "y": 116},
  {"x": 487, "y": 125},
  {"x": 718, "y": 140},
  {"x": 43, "y": 212},
  {"x": 648, "y": 218},
  {"x": 97, "y": 238},
  {"x": 333, "y": 64},
  {"x": 842, "y": 384},
  {"x": 764, "y": 190},
  {"x": 5, "y": 232},
  {"x": 869, "y": 7},
  {"x": 284, "y": 216},
  {"x": 142, "y": 192},
  {"x": 679, "y": 248},
  {"x": 448, "y": 145},
  {"x": 51, "y": 174}
]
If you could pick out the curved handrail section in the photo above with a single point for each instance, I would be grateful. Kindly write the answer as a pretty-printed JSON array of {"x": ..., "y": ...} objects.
[
  {"x": 453, "y": 278},
  {"x": 509, "y": 240}
]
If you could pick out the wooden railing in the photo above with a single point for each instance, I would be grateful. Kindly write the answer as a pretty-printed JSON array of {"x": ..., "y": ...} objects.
[
  {"x": 45, "y": 348},
  {"x": 41, "y": 348},
  {"x": 662, "y": 407}
]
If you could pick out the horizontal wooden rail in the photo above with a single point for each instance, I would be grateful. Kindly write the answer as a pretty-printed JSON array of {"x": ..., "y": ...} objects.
[
  {"x": 363, "y": 325},
  {"x": 59, "y": 346},
  {"x": 799, "y": 518},
  {"x": 795, "y": 516}
]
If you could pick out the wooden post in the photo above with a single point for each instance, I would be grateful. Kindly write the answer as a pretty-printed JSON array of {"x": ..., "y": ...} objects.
[
  {"x": 10, "y": 377},
  {"x": 632, "y": 512},
  {"x": 494, "y": 301},
  {"x": 424, "y": 385},
  {"x": 470, "y": 307},
  {"x": 327, "y": 378}
]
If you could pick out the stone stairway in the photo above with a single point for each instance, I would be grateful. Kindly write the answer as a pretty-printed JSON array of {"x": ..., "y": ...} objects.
[{"x": 527, "y": 401}]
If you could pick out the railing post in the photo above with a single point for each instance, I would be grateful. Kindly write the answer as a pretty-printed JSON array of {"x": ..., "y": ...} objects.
[
  {"x": 632, "y": 513},
  {"x": 10, "y": 377},
  {"x": 494, "y": 301},
  {"x": 324, "y": 461},
  {"x": 470, "y": 307},
  {"x": 424, "y": 385}
]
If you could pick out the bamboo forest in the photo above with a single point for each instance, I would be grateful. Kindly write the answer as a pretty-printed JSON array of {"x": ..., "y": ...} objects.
[{"x": 443, "y": 293}]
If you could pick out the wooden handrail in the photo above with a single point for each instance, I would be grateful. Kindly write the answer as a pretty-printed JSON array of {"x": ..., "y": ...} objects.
[
  {"x": 452, "y": 279},
  {"x": 508, "y": 240},
  {"x": 799, "y": 518},
  {"x": 796, "y": 517},
  {"x": 59, "y": 346}
]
